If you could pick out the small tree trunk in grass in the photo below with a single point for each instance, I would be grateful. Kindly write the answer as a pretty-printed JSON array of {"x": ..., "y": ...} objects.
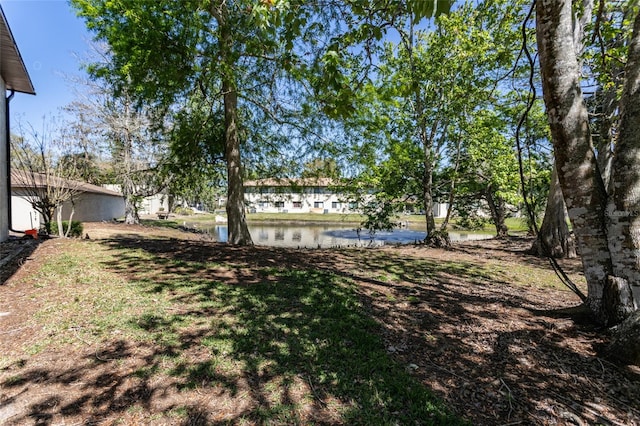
[
  {"x": 435, "y": 237},
  {"x": 59, "y": 221},
  {"x": 49, "y": 213},
  {"x": 130, "y": 213},
  {"x": 497, "y": 208},
  {"x": 73, "y": 210}
]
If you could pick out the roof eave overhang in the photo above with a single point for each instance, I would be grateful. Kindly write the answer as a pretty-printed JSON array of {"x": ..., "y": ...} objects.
[{"x": 12, "y": 68}]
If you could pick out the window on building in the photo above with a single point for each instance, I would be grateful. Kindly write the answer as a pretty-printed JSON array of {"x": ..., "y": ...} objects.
[
  {"x": 335, "y": 205},
  {"x": 280, "y": 204},
  {"x": 318, "y": 204},
  {"x": 297, "y": 204}
]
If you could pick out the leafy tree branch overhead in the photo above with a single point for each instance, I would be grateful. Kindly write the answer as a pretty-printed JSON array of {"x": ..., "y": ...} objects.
[{"x": 240, "y": 53}]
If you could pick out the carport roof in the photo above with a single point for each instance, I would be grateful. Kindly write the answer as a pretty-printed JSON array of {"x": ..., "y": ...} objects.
[{"x": 12, "y": 68}]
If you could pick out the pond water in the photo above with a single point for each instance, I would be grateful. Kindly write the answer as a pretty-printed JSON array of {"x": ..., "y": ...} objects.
[{"x": 325, "y": 236}]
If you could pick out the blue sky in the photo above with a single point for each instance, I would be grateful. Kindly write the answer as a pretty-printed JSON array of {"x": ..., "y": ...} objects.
[{"x": 49, "y": 37}]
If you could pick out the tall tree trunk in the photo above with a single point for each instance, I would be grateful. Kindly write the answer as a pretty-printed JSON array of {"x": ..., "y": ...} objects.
[
  {"x": 578, "y": 173},
  {"x": 131, "y": 216},
  {"x": 623, "y": 210},
  {"x": 428, "y": 160},
  {"x": 435, "y": 237},
  {"x": 236, "y": 219},
  {"x": 237, "y": 224},
  {"x": 498, "y": 209},
  {"x": 426, "y": 138},
  {"x": 604, "y": 125},
  {"x": 554, "y": 238}
]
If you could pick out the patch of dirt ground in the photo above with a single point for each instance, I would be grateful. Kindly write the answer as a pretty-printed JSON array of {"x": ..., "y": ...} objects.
[{"x": 497, "y": 353}]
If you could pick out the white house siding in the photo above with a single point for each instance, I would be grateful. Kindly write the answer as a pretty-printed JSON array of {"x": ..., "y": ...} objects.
[
  {"x": 92, "y": 204},
  {"x": 91, "y": 207},
  {"x": 151, "y": 204},
  {"x": 440, "y": 210},
  {"x": 23, "y": 215},
  {"x": 154, "y": 203},
  {"x": 4, "y": 207}
]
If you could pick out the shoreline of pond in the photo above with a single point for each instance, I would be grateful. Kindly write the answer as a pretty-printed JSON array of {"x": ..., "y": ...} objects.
[
  {"x": 328, "y": 235},
  {"x": 353, "y": 221}
]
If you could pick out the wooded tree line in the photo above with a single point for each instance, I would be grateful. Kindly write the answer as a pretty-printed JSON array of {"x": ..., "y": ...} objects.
[
  {"x": 422, "y": 100},
  {"x": 325, "y": 80}
]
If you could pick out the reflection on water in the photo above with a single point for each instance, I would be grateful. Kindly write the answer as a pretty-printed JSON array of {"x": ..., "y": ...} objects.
[{"x": 324, "y": 236}]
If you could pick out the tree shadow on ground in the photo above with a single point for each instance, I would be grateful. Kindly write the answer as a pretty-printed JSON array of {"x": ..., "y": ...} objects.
[
  {"x": 263, "y": 334},
  {"x": 238, "y": 335},
  {"x": 499, "y": 353},
  {"x": 13, "y": 254}
]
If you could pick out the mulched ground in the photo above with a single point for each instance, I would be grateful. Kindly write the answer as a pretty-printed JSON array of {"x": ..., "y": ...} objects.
[
  {"x": 13, "y": 254},
  {"x": 498, "y": 354}
]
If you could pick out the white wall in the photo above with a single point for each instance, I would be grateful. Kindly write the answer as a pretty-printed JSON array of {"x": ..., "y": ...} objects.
[
  {"x": 307, "y": 201},
  {"x": 149, "y": 205},
  {"x": 4, "y": 205},
  {"x": 91, "y": 207},
  {"x": 310, "y": 202},
  {"x": 23, "y": 216},
  {"x": 153, "y": 204},
  {"x": 440, "y": 210}
]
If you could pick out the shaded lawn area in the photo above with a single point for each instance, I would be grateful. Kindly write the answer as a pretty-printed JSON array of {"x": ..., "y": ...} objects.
[
  {"x": 125, "y": 331},
  {"x": 140, "y": 326}
]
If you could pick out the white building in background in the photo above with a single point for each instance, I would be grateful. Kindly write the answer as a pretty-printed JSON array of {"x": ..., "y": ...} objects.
[
  {"x": 154, "y": 204},
  {"x": 150, "y": 204},
  {"x": 91, "y": 203},
  {"x": 14, "y": 78},
  {"x": 309, "y": 195}
]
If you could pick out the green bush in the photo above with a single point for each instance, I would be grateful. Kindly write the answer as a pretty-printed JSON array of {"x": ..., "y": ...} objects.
[
  {"x": 76, "y": 228},
  {"x": 184, "y": 211},
  {"x": 471, "y": 222}
]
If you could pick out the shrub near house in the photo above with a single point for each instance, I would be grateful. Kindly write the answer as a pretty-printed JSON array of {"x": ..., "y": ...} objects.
[{"x": 76, "y": 230}]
